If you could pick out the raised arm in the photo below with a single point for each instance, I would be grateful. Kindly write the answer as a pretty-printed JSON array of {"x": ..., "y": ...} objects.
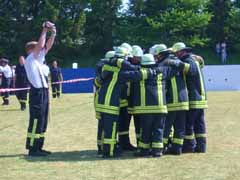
[
  {"x": 41, "y": 42},
  {"x": 51, "y": 40}
]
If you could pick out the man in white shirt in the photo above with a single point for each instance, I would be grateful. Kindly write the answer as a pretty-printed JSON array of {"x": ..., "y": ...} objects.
[
  {"x": 38, "y": 96},
  {"x": 6, "y": 79}
]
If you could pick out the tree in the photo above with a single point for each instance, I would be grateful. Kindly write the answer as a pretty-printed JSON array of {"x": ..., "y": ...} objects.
[
  {"x": 233, "y": 26},
  {"x": 220, "y": 10},
  {"x": 101, "y": 21},
  {"x": 21, "y": 21},
  {"x": 169, "y": 21}
]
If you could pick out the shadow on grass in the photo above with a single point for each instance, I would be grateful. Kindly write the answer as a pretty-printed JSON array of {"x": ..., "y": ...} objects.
[
  {"x": 86, "y": 155},
  {"x": 6, "y": 110}
]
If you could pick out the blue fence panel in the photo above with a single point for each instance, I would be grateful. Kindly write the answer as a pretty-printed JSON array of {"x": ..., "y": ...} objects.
[
  {"x": 217, "y": 78},
  {"x": 222, "y": 77},
  {"x": 79, "y": 87}
]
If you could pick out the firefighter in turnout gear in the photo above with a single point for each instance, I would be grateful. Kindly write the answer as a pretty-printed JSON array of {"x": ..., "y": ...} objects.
[
  {"x": 148, "y": 101},
  {"x": 56, "y": 76},
  {"x": 137, "y": 54},
  {"x": 97, "y": 83},
  {"x": 124, "y": 120},
  {"x": 195, "y": 134},
  {"x": 108, "y": 98},
  {"x": 177, "y": 103},
  {"x": 21, "y": 82},
  {"x": 134, "y": 54},
  {"x": 6, "y": 79}
]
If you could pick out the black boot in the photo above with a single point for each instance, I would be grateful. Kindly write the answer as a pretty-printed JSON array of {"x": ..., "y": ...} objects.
[
  {"x": 99, "y": 152},
  {"x": 5, "y": 102},
  {"x": 128, "y": 147},
  {"x": 189, "y": 146},
  {"x": 106, "y": 151},
  {"x": 201, "y": 148},
  {"x": 45, "y": 151},
  {"x": 125, "y": 144},
  {"x": 143, "y": 153},
  {"x": 173, "y": 151},
  {"x": 157, "y": 152},
  {"x": 23, "y": 106}
]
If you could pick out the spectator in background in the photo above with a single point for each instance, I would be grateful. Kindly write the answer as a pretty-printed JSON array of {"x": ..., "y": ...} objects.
[
  {"x": 224, "y": 52},
  {"x": 56, "y": 76},
  {"x": 46, "y": 71},
  {"x": 6, "y": 79},
  {"x": 218, "y": 49},
  {"x": 224, "y": 56},
  {"x": 21, "y": 82},
  {"x": 223, "y": 45},
  {"x": 13, "y": 78}
]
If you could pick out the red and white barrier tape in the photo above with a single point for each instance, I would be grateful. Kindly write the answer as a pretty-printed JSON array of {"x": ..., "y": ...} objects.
[
  {"x": 73, "y": 80},
  {"x": 12, "y": 89},
  {"x": 60, "y": 82}
]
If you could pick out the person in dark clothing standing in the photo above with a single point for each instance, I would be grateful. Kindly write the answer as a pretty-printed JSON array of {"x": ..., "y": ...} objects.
[
  {"x": 21, "y": 82},
  {"x": 56, "y": 76}
]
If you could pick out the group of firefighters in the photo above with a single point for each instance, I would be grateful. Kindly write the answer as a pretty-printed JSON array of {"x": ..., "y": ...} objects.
[
  {"x": 163, "y": 91},
  {"x": 17, "y": 78}
]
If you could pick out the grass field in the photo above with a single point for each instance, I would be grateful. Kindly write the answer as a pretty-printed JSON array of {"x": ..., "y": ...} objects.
[{"x": 72, "y": 137}]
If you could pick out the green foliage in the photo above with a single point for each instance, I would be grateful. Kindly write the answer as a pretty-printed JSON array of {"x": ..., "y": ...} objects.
[
  {"x": 21, "y": 22},
  {"x": 101, "y": 21},
  {"x": 88, "y": 28},
  {"x": 182, "y": 24},
  {"x": 233, "y": 26},
  {"x": 217, "y": 27}
]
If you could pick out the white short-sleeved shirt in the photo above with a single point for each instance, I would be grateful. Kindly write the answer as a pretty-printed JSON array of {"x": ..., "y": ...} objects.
[
  {"x": 6, "y": 70},
  {"x": 34, "y": 70},
  {"x": 46, "y": 70}
]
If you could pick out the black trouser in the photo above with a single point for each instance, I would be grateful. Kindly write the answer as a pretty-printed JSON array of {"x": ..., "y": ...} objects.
[
  {"x": 137, "y": 127},
  {"x": 109, "y": 123},
  {"x": 6, "y": 82},
  {"x": 123, "y": 127},
  {"x": 56, "y": 90},
  {"x": 100, "y": 132},
  {"x": 22, "y": 97},
  {"x": 124, "y": 124},
  {"x": 152, "y": 126},
  {"x": 38, "y": 107},
  {"x": 195, "y": 134},
  {"x": 177, "y": 120}
]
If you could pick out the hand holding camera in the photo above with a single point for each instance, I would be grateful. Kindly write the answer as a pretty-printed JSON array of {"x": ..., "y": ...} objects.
[{"x": 50, "y": 27}]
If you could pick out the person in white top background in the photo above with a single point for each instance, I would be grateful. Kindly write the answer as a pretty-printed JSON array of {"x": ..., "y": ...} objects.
[
  {"x": 224, "y": 53},
  {"x": 38, "y": 95},
  {"x": 6, "y": 79},
  {"x": 46, "y": 71}
]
